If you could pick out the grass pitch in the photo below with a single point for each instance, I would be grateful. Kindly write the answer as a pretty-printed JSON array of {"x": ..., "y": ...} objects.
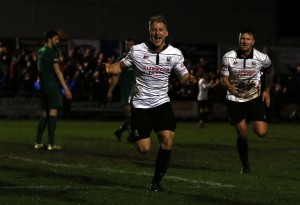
[{"x": 95, "y": 169}]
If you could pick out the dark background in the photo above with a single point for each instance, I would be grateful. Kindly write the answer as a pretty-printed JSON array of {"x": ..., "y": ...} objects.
[{"x": 190, "y": 21}]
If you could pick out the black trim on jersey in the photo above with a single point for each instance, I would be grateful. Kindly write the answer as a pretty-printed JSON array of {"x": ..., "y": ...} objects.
[
  {"x": 153, "y": 48},
  {"x": 239, "y": 55}
]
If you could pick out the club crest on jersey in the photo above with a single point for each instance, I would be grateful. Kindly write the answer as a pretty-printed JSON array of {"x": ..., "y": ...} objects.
[
  {"x": 253, "y": 62},
  {"x": 145, "y": 57},
  {"x": 168, "y": 59}
]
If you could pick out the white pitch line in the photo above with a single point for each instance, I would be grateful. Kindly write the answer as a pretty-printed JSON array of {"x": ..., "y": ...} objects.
[
  {"x": 175, "y": 178},
  {"x": 66, "y": 187}
]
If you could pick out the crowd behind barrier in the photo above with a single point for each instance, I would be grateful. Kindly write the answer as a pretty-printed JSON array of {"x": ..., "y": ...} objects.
[{"x": 85, "y": 75}]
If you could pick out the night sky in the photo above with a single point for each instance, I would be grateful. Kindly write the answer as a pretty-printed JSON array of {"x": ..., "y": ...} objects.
[{"x": 288, "y": 18}]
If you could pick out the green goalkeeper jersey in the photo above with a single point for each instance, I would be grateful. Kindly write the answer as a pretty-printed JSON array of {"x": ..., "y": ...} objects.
[{"x": 46, "y": 57}]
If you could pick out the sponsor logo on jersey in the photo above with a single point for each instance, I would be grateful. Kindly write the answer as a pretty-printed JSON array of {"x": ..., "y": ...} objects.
[{"x": 156, "y": 70}]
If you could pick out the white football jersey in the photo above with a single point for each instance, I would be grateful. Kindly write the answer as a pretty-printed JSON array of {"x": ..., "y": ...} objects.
[
  {"x": 152, "y": 71},
  {"x": 245, "y": 73}
]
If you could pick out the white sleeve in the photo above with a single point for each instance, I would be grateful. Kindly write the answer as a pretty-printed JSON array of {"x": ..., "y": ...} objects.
[
  {"x": 225, "y": 66},
  {"x": 180, "y": 68},
  {"x": 127, "y": 60}
]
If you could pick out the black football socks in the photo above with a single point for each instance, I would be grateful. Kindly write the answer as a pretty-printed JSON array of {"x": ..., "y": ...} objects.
[
  {"x": 40, "y": 129},
  {"x": 161, "y": 165},
  {"x": 51, "y": 129},
  {"x": 242, "y": 147}
]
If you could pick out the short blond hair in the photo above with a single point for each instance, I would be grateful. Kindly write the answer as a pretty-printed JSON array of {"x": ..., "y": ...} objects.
[{"x": 158, "y": 19}]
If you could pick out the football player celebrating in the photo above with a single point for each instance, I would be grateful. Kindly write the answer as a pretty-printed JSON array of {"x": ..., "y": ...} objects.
[
  {"x": 151, "y": 109},
  {"x": 247, "y": 94}
]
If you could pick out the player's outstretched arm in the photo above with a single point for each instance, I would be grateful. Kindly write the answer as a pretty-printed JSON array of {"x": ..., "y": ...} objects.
[
  {"x": 188, "y": 79},
  {"x": 115, "y": 68}
]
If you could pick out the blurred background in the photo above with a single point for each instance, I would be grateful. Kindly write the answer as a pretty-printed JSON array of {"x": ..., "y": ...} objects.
[{"x": 92, "y": 31}]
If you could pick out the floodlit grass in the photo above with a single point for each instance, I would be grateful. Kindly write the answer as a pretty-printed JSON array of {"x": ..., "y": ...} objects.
[{"x": 95, "y": 169}]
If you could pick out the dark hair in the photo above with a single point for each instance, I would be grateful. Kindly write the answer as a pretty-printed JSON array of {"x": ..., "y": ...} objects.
[
  {"x": 50, "y": 34},
  {"x": 131, "y": 39},
  {"x": 247, "y": 30},
  {"x": 158, "y": 19}
]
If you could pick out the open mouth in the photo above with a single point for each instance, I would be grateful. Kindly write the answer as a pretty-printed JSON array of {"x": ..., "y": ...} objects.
[
  {"x": 245, "y": 45},
  {"x": 157, "y": 37}
]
